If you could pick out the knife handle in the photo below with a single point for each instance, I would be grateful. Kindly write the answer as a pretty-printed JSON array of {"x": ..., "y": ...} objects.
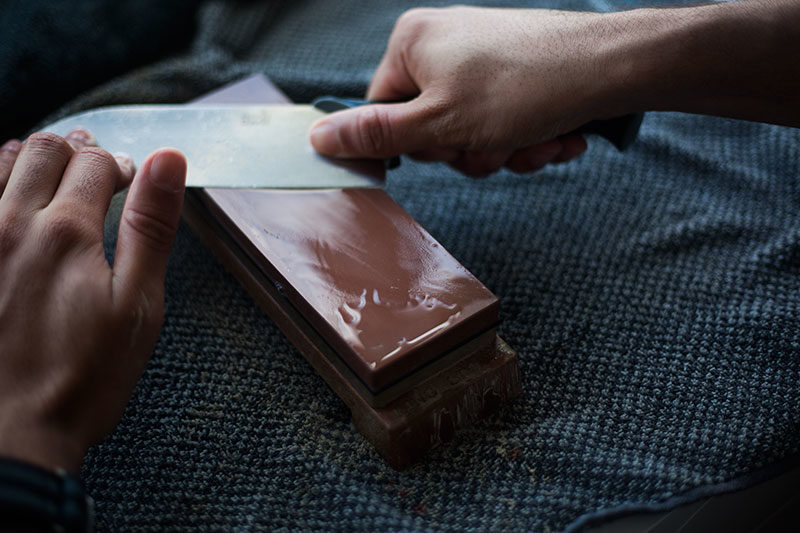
[{"x": 619, "y": 131}]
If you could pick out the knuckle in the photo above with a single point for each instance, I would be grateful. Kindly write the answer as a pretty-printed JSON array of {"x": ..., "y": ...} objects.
[
  {"x": 414, "y": 17},
  {"x": 139, "y": 310},
  {"x": 151, "y": 231},
  {"x": 449, "y": 127},
  {"x": 49, "y": 143},
  {"x": 482, "y": 139},
  {"x": 10, "y": 234},
  {"x": 374, "y": 131},
  {"x": 95, "y": 168},
  {"x": 61, "y": 230},
  {"x": 412, "y": 25},
  {"x": 96, "y": 157}
]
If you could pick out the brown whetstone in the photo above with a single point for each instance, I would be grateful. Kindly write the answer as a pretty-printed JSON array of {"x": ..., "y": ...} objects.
[{"x": 457, "y": 374}]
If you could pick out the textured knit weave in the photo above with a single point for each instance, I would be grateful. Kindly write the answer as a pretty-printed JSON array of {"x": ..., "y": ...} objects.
[
  {"x": 653, "y": 298},
  {"x": 51, "y": 50}
]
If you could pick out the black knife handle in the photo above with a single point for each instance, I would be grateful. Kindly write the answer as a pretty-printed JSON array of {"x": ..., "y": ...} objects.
[{"x": 619, "y": 131}]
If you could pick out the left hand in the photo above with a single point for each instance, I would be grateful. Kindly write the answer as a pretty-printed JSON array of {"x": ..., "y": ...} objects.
[{"x": 76, "y": 334}]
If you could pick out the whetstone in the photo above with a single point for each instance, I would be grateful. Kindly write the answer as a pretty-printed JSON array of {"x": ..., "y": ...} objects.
[{"x": 398, "y": 329}]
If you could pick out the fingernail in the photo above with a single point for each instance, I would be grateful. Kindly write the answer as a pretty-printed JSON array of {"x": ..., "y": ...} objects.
[
  {"x": 167, "y": 172},
  {"x": 11, "y": 146},
  {"x": 325, "y": 139},
  {"x": 82, "y": 136},
  {"x": 125, "y": 162}
]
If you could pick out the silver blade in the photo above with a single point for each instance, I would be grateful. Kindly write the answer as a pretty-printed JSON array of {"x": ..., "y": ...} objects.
[{"x": 264, "y": 146}]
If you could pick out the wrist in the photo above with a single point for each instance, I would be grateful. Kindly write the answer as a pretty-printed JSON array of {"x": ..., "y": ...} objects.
[
  {"x": 657, "y": 59},
  {"x": 42, "y": 446},
  {"x": 711, "y": 59},
  {"x": 627, "y": 50},
  {"x": 36, "y": 499}
]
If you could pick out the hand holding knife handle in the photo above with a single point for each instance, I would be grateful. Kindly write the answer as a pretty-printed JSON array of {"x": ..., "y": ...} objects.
[{"x": 619, "y": 131}]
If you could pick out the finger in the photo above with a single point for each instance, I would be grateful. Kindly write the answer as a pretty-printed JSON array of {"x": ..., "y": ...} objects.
[
  {"x": 571, "y": 147},
  {"x": 436, "y": 154},
  {"x": 480, "y": 164},
  {"x": 37, "y": 171},
  {"x": 148, "y": 225},
  {"x": 88, "y": 184},
  {"x": 392, "y": 79},
  {"x": 377, "y": 131},
  {"x": 8, "y": 156},
  {"x": 79, "y": 138},
  {"x": 127, "y": 169},
  {"x": 532, "y": 158}
]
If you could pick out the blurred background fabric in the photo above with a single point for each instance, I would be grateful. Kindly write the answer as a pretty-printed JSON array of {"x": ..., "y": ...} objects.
[
  {"x": 52, "y": 51},
  {"x": 653, "y": 298}
]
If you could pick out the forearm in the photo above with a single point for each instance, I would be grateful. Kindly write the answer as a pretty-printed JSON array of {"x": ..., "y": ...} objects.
[
  {"x": 497, "y": 85},
  {"x": 739, "y": 60}
]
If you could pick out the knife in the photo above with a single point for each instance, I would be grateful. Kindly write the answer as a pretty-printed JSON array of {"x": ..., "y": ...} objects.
[
  {"x": 253, "y": 146},
  {"x": 246, "y": 146}
]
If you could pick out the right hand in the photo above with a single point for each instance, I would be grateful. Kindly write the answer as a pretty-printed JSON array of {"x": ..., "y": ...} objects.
[{"x": 490, "y": 88}]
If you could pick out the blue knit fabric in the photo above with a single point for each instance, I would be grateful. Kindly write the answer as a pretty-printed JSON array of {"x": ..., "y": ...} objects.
[{"x": 653, "y": 298}]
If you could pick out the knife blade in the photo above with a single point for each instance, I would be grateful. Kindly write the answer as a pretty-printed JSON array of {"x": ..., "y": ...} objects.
[
  {"x": 260, "y": 146},
  {"x": 243, "y": 146}
]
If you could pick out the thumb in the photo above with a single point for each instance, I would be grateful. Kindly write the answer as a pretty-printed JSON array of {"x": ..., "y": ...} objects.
[
  {"x": 149, "y": 222},
  {"x": 375, "y": 131}
]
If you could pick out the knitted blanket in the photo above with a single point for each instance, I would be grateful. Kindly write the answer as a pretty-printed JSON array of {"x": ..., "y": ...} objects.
[{"x": 653, "y": 298}]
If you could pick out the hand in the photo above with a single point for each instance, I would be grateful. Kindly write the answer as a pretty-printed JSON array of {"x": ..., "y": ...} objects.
[
  {"x": 75, "y": 334},
  {"x": 492, "y": 88},
  {"x": 502, "y": 87}
]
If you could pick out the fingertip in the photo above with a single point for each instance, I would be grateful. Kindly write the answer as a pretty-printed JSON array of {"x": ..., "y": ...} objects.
[
  {"x": 127, "y": 169},
  {"x": 8, "y": 157},
  {"x": 167, "y": 170},
  {"x": 80, "y": 138},
  {"x": 571, "y": 147},
  {"x": 576, "y": 143},
  {"x": 324, "y": 138},
  {"x": 13, "y": 146},
  {"x": 534, "y": 157}
]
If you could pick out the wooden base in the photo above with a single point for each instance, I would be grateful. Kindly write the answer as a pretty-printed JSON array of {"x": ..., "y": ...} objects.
[{"x": 403, "y": 430}]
